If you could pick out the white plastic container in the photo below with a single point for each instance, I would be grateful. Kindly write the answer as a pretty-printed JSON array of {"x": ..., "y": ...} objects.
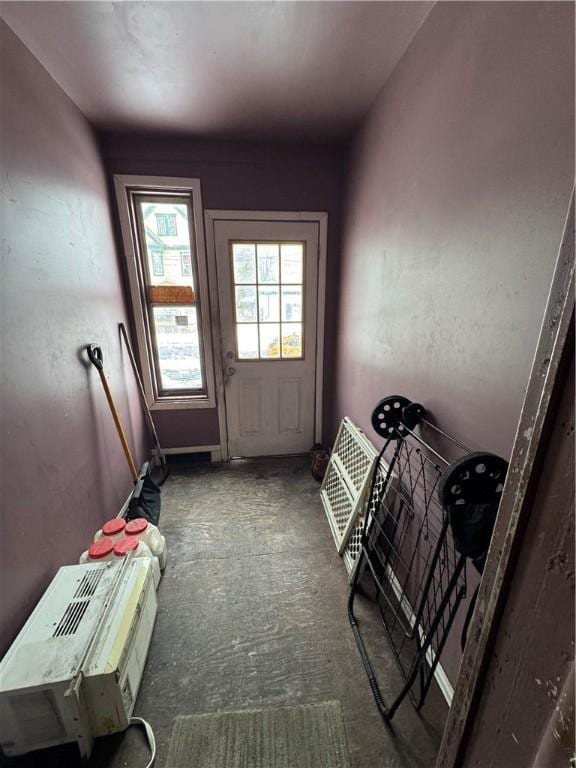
[
  {"x": 98, "y": 552},
  {"x": 139, "y": 549},
  {"x": 112, "y": 529},
  {"x": 150, "y": 535},
  {"x": 131, "y": 544}
]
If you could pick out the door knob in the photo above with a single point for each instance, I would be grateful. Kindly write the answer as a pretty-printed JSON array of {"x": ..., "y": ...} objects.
[{"x": 231, "y": 371}]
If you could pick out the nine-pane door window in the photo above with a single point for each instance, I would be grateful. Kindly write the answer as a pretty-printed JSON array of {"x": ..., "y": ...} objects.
[{"x": 268, "y": 296}]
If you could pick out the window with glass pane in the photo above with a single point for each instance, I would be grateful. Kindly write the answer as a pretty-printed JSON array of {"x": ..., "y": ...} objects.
[
  {"x": 166, "y": 224},
  {"x": 169, "y": 269},
  {"x": 268, "y": 293}
]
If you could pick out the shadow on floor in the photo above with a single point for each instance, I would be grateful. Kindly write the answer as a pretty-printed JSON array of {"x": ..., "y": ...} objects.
[{"x": 252, "y": 614}]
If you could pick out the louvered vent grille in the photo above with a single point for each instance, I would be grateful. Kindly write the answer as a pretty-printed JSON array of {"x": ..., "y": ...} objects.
[
  {"x": 89, "y": 583},
  {"x": 71, "y": 619}
]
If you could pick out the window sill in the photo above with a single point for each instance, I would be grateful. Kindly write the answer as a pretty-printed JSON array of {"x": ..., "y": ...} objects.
[{"x": 183, "y": 404}]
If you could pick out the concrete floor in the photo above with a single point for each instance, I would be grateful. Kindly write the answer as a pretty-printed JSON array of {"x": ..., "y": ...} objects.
[{"x": 252, "y": 614}]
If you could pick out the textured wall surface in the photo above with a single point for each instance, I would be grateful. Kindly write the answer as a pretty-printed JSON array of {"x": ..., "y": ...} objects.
[
  {"x": 460, "y": 182},
  {"x": 63, "y": 470},
  {"x": 246, "y": 176}
]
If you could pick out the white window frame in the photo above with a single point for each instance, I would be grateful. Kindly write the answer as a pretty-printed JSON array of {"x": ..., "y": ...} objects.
[{"x": 123, "y": 186}]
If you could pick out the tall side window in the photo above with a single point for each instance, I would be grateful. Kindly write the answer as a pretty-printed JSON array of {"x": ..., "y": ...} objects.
[{"x": 162, "y": 227}]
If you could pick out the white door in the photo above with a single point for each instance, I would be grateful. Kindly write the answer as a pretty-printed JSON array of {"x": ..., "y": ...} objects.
[{"x": 267, "y": 290}]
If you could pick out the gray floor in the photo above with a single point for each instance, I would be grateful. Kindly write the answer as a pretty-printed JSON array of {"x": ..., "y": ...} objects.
[{"x": 252, "y": 614}]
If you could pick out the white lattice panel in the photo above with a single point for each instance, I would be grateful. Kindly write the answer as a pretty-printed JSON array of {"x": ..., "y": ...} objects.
[
  {"x": 346, "y": 481},
  {"x": 352, "y": 550},
  {"x": 355, "y": 458}
]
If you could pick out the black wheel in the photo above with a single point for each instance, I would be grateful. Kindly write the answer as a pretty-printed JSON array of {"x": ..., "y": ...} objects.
[
  {"x": 387, "y": 417},
  {"x": 470, "y": 491}
]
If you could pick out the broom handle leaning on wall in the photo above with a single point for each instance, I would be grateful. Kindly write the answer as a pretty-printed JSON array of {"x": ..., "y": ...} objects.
[
  {"x": 95, "y": 355},
  {"x": 149, "y": 419}
]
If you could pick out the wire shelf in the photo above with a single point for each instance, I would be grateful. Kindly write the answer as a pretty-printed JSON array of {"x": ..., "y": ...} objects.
[
  {"x": 423, "y": 518},
  {"x": 420, "y": 576}
]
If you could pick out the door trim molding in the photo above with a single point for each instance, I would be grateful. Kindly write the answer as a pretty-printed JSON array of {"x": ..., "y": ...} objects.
[{"x": 211, "y": 216}]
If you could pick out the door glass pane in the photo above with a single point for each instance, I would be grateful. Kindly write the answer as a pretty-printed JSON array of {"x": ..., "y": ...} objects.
[
  {"x": 244, "y": 257},
  {"x": 291, "y": 339},
  {"x": 246, "y": 304},
  {"x": 176, "y": 331},
  {"x": 247, "y": 337},
  {"x": 292, "y": 262},
  {"x": 268, "y": 263},
  {"x": 269, "y": 340},
  {"x": 167, "y": 238},
  {"x": 269, "y": 303},
  {"x": 268, "y": 300},
  {"x": 291, "y": 302}
]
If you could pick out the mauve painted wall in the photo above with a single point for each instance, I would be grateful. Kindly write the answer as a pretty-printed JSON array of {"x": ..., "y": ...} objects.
[
  {"x": 63, "y": 470},
  {"x": 459, "y": 185},
  {"x": 242, "y": 176}
]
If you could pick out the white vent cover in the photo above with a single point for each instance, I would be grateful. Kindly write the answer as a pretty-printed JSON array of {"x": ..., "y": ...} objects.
[
  {"x": 347, "y": 481},
  {"x": 74, "y": 670}
]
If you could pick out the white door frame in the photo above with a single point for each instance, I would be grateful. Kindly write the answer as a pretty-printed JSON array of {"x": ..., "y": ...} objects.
[{"x": 318, "y": 217}]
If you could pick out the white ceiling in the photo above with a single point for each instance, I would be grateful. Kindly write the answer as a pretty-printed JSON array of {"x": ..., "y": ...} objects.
[{"x": 257, "y": 69}]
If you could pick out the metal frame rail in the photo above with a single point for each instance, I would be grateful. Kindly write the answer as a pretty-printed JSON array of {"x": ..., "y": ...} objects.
[{"x": 427, "y": 517}]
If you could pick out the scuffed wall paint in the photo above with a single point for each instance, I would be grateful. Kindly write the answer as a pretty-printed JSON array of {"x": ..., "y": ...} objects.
[
  {"x": 63, "y": 471},
  {"x": 459, "y": 184},
  {"x": 557, "y": 742}
]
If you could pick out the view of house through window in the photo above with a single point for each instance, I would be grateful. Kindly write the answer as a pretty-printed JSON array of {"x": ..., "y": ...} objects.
[
  {"x": 168, "y": 270},
  {"x": 268, "y": 299}
]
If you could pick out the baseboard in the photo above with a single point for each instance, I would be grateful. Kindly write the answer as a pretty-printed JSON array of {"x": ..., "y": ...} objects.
[
  {"x": 214, "y": 450},
  {"x": 439, "y": 675},
  {"x": 124, "y": 507},
  {"x": 443, "y": 682}
]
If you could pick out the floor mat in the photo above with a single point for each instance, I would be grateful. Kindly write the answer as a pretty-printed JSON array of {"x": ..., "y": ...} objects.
[{"x": 308, "y": 736}]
